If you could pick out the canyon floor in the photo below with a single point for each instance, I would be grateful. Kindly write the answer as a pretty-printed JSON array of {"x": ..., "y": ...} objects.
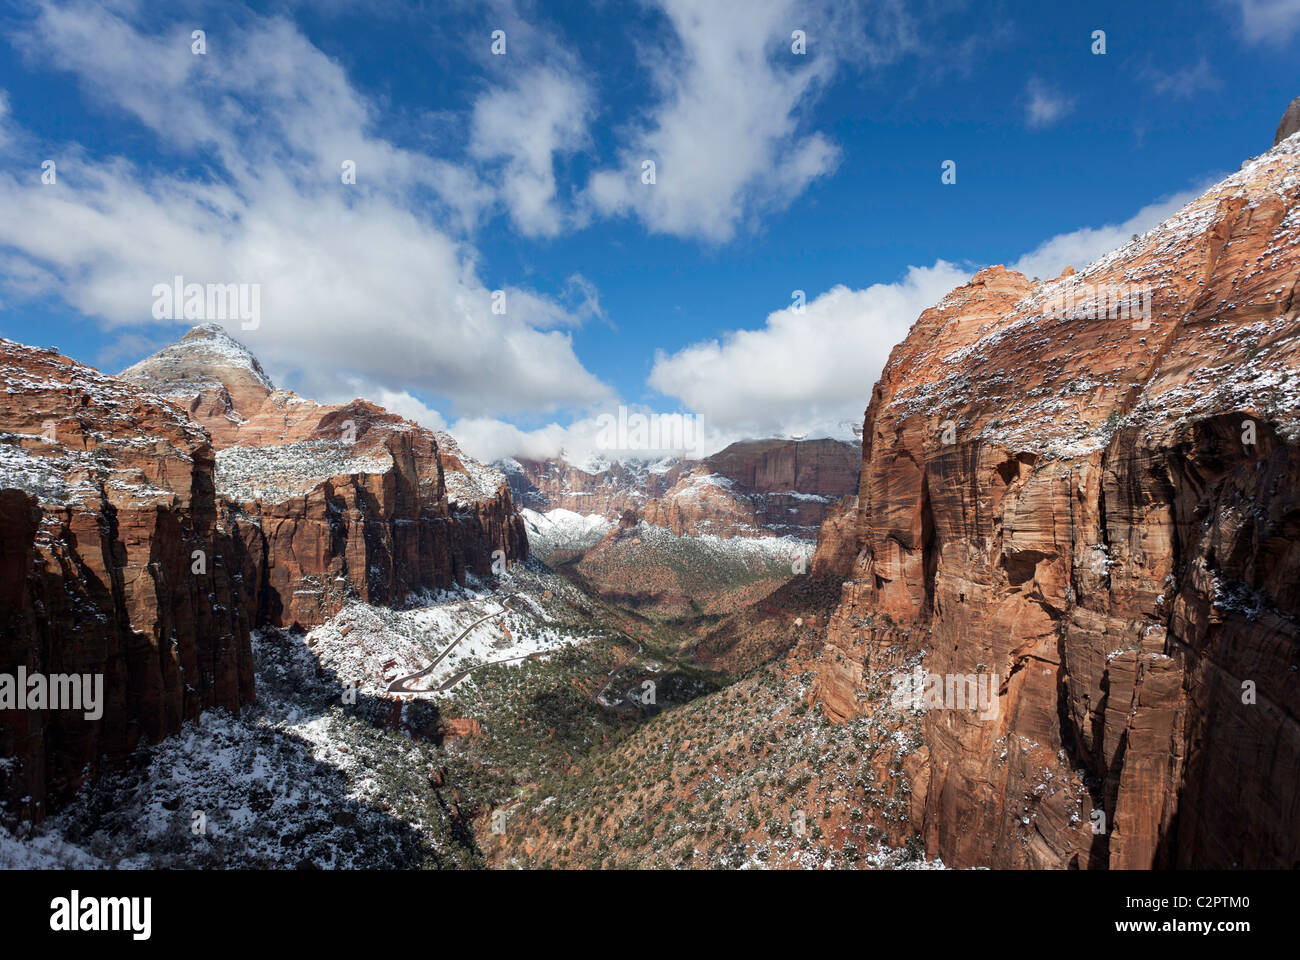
[{"x": 574, "y": 734}]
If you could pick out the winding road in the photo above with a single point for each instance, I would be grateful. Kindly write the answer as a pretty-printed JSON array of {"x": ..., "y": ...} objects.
[{"x": 400, "y": 685}]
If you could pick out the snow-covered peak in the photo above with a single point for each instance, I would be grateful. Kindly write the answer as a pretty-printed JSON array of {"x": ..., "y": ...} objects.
[
  {"x": 563, "y": 530},
  {"x": 597, "y": 464},
  {"x": 203, "y": 350}
]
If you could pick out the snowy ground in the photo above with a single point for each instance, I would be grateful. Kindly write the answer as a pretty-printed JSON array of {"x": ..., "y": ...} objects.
[
  {"x": 371, "y": 646},
  {"x": 733, "y": 548},
  {"x": 277, "y": 473},
  {"x": 299, "y": 779},
  {"x": 563, "y": 530},
  {"x": 311, "y": 775}
]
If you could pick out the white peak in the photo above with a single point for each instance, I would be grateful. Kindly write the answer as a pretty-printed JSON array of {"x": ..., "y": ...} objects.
[{"x": 206, "y": 345}]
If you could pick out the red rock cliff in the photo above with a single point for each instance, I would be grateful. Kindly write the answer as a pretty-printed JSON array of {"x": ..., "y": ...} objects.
[
  {"x": 129, "y": 548},
  {"x": 114, "y": 560},
  {"x": 1104, "y": 512}
]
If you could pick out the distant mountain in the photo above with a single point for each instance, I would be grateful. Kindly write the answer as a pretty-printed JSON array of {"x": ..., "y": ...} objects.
[{"x": 753, "y": 488}]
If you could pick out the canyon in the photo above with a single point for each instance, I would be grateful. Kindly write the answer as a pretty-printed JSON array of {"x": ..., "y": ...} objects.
[
  {"x": 751, "y": 488},
  {"x": 689, "y": 542},
  {"x": 1089, "y": 515}
]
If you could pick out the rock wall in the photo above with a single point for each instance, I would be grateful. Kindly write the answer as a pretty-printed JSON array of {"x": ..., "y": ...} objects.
[
  {"x": 1104, "y": 511},
  {"x": 107, "y": 504},
  {"x": 333, "y": 502},
  {"x": 368, "y": 519},
  {"x": 133, "y": 550}
]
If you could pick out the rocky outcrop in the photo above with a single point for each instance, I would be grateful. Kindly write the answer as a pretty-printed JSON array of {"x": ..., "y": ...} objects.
[
  {"x": 332, "y": 502},
  {"x": 324, "y": 520},
  {"x": 1103, "y": 511},
  {"x": 117, "y": 563},
  {"x": 837, "y": 541},
  {"x": 1290, "y": 122},
  {"x": 757, "y": 488},
  {"x": 751, "y": 488},
  {"x": 209, "y": 374}
]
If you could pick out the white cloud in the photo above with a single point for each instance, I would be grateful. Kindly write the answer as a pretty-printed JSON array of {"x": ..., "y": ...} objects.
[
  {"x": 593, "y": 437},
  {"x": 543, "y": 114},
  {"x": 1268, "y": 21},
  {"x": 1045, "y": 106},
  {"x": 813, "y": 372},
  {"x": 487, "y": 439},
  {"x": 400, "y": 403},
  {"x": 724, "y": 136},
  {"x": 803, "y": 372},
  {"x": 1078, "y": 248},
  {"x": 359, "y": 282},
  {"x": 1184, "y": 83},
  {"x": 6, "y": 135}
]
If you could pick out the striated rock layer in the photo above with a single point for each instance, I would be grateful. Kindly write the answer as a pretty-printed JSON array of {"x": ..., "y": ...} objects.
[
  {"x": 116, "y": 561},
  {"x": 1103, "y": 511}
]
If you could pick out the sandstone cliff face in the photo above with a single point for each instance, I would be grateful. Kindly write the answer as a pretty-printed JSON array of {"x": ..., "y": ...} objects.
[
  {"x": 116, "y": 561},
  {"x": 1105, "y": 513},
  {"x": 334, "y": 502},
  {"x": 752, "y": 488},
  {"x": 758, "y": 487},
  {"x": 1290, "y": 122}
]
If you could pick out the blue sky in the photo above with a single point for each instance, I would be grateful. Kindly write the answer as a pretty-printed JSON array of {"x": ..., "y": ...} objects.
[{"x": 475, "y": 172}]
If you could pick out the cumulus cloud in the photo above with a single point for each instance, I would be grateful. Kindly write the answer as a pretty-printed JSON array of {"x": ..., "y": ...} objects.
[
  {"x": 544, "y": 113},
  {"x": 1045, "y": 106},
  {"x": 374, "y": 289},
  {"x": 597, "y": 435},
  {"x": 803, "y": 372},
  {"x": 813, "y": 372},
  {"x": 1272, "y": 22},
  {"x": 363, "y": 282},
  {"x": 398, "y": 402},
  {"x": 724, "y": 134},
  {"x": 1078, "y": 248}
]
